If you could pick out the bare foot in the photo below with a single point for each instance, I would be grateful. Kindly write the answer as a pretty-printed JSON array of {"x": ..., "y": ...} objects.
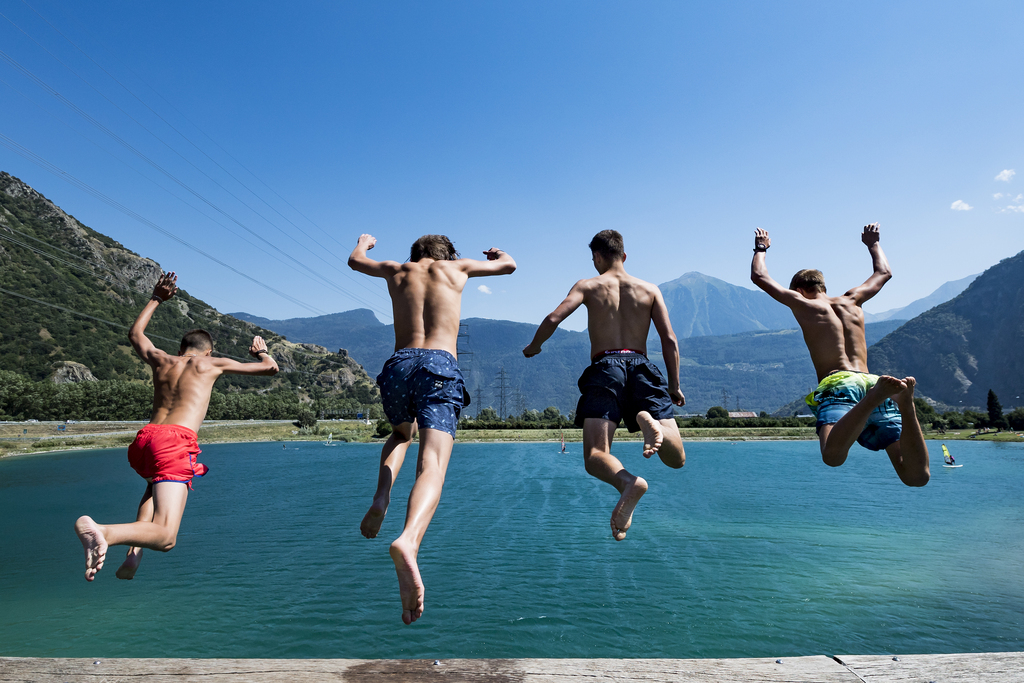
[
  {"x": 374, "y": 517},
  {"x": 130, "y": 565},
  {"x": 622, "y": 515},
  {"x": 885, "y": 387},
  {"x": 905, "y": 398},
  {"x": 409, "y": 582},
  {"x": 95, "y": 545},
  {"x": 652, "y": 432}
]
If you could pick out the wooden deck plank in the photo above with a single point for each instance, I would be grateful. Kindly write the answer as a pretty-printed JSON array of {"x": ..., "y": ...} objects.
[
  {"x": 998, "y": 667},
  {"x": 990, "y": 667},
  {"x": 818, "y": 669}
]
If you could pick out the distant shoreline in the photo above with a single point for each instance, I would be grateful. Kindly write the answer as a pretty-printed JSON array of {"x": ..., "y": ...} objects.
[{"x": 24, "y": 438}]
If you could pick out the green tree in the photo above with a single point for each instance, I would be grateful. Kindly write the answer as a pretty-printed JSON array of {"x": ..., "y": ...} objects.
[
  {"x": 717, "y": 411},
  {"x": 306, "y": 418},
  {"x": 995, "y": 411}
]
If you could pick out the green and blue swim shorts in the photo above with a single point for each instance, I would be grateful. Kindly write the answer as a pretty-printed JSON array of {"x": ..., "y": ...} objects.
[{"x": 839, "y": 392}]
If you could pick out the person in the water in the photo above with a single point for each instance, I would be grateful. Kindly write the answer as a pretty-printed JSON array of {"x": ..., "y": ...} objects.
[
  {"x": 421, "y": 386},
  {"x": 164, "y": 451},
  {"x": 621, "y": 384},
  {"x": 850, "y": 404}
]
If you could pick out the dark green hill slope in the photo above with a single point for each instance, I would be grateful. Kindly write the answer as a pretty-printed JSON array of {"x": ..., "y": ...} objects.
[
  {"x": 48, "y": 257},
  {"x": 964, "y": 347}
]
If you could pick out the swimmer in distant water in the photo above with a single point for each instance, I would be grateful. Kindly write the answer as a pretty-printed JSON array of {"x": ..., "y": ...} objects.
[
  {"x": 621, "y": 384},
  {"x": 421, "y": 386},
  {"x": 850, "y": 404},
  {"x": 164, "y": 451}
]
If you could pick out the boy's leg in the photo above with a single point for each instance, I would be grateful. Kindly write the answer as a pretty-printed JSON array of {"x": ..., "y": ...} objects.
[
  {"x": 909, "y": 455},
  {"x": 391, "y": 458},
  {"x": 134, "y": 557},
  {"x": 837, "y": 439},
  {"x": 671, "y": 450},
  {"x": 169, "y": 504},
  {"x": 600, "y": 463},
  {"x": 431, "y": 466}
]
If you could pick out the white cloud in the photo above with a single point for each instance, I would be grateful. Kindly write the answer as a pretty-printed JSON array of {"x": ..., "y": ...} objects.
[
  {"x": 1006, "y": 175},
  {"x": 960, "y": 205},
  {"x": 484, "y": 288},
  {"x": 1018, "y": 197},
  {"x": 997, "y": 195},
  {"x": 1015, "y": 209}
]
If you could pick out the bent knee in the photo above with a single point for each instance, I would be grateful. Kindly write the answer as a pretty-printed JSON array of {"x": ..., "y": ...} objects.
[
  {"x": 916, "y": 480},
  {"x": 673, "y": 460},
  {"x": 833, "y": 459},
  {"x": 167, "y": 544}
]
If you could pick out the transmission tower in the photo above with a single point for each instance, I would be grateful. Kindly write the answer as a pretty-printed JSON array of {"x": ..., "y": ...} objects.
[
  {"x": 479, "y": 400},
  {"x": 725, "y": 399},
  {"x": 464, "y": 350},
  {"x": 504, "y": 391}
]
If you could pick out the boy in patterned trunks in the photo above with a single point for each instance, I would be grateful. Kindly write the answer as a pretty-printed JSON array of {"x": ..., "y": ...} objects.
[
  {"x": 850, "y": 404},
  {"x": 421, "y": 386},
  {"x": 164, "y": 451},
  {"x": 620, "y": 382}
]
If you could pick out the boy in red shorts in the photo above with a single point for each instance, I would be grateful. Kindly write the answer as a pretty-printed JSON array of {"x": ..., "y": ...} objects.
[{"x": 164, "y": 451}]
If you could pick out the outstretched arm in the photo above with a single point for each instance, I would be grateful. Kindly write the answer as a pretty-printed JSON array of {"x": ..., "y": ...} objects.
[
  {"x": 547, "y": 328},
  {"x": 497, "y": 263},
  {"x": 669, "y": 347},
  {"x": 258, "y": 350},
  {"x": 165, "y": 288},
  {"x": 879, "y": 264},
  {"x": 759, "y": 272},
  {"x": 359, "y": 261}
]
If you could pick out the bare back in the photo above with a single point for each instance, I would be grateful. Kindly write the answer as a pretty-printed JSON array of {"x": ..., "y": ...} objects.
[
  {"x": 833, "y": 329},
  {"x": 181, "y": 389},
  {"x": 619, "y": 308},
  {"x": 426, "y": 300}
]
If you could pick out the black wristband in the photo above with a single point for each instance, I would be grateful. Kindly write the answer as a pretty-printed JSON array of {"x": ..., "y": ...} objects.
[
  {"x": 157, "y": 298},
  {"x": 761, "y": 248}
]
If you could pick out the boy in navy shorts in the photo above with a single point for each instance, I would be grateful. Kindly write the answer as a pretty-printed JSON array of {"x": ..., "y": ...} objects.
[
  {"x": 421, "y": 386},
  {"x": 621, "y": 384}
]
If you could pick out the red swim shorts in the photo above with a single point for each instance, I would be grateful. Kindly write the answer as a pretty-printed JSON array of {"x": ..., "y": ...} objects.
[{"x": 166, "y": 453}]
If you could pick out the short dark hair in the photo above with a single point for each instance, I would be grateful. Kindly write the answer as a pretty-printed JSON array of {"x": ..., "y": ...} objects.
[
  {"x": 197, "y": 339},
  {"x": 608, "y": 243},
  {"x": 809, "y": 279},
  {"x": 437, "y": 247}
]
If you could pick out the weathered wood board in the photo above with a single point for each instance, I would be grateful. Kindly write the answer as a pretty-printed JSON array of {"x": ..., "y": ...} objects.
[
  {"x": 1001, "y": 667},
  {"x": 989, "y": 667}
]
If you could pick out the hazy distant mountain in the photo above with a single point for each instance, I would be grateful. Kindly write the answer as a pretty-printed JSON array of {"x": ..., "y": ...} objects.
[
  {"x": 700, "y": 305},
  {"x": 964, "y": 347},
  {"x": 916, "y": 308},
  {"x": 762, "y": 370}
]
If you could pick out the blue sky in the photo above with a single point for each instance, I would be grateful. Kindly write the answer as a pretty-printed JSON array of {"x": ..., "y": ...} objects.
[{"x": 528, "y": 126}]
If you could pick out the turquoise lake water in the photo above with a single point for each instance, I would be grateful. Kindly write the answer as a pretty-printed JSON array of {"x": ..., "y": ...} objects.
[{"x": 752, "y": 550}]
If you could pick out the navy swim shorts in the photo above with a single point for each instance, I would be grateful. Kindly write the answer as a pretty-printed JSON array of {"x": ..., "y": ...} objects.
[
  {"x": 617, "y": 386},
  {"x": 423, "y": 385}
]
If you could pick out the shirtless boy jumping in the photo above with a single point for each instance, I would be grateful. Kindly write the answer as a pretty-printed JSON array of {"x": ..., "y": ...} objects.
[
  {"x": 164, "y": 451},
  {"x": 620, "y": 382},
  {"x": 421, "y": 386},
  {"x": 850, "y": 404}
]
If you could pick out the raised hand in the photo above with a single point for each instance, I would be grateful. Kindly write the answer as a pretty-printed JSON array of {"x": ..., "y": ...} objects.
[
  {"x": 531, "y": 350},
  {"x": 258, "y": 346},
  {"x": 367, "y": 241},
  {"x": 166, "y": 286},
  {"x": 870, "y": 234},
  {"x": 761, "y": 239},
  {"x": 493, "y": 253}
]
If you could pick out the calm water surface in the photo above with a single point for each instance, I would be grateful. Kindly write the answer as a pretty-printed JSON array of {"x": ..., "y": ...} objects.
[{"x": 753, "y": 549}]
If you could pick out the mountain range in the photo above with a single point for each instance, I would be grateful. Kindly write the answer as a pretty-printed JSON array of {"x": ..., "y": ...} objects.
[{"x": 962, "y": 348}]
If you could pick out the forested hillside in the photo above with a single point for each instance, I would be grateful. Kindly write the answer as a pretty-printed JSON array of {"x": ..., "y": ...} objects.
[
  {"x": 964, "y": 347},
  {"x": 69, "y": 293}
]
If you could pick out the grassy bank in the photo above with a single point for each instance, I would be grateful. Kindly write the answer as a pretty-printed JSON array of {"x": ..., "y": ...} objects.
[{"x": 36, "y": 437}]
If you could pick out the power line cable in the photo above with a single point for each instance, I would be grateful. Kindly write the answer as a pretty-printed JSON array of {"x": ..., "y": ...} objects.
[
  {"x": 162, "y": 141},
  {"x": 52, "y": 168},
  {"x": 163, "y": 171}
]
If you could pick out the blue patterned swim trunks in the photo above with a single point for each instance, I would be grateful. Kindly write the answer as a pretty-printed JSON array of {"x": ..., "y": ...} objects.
[
  {"x": 839, "y": 392},
  {"x": 425, "y": 385}
]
